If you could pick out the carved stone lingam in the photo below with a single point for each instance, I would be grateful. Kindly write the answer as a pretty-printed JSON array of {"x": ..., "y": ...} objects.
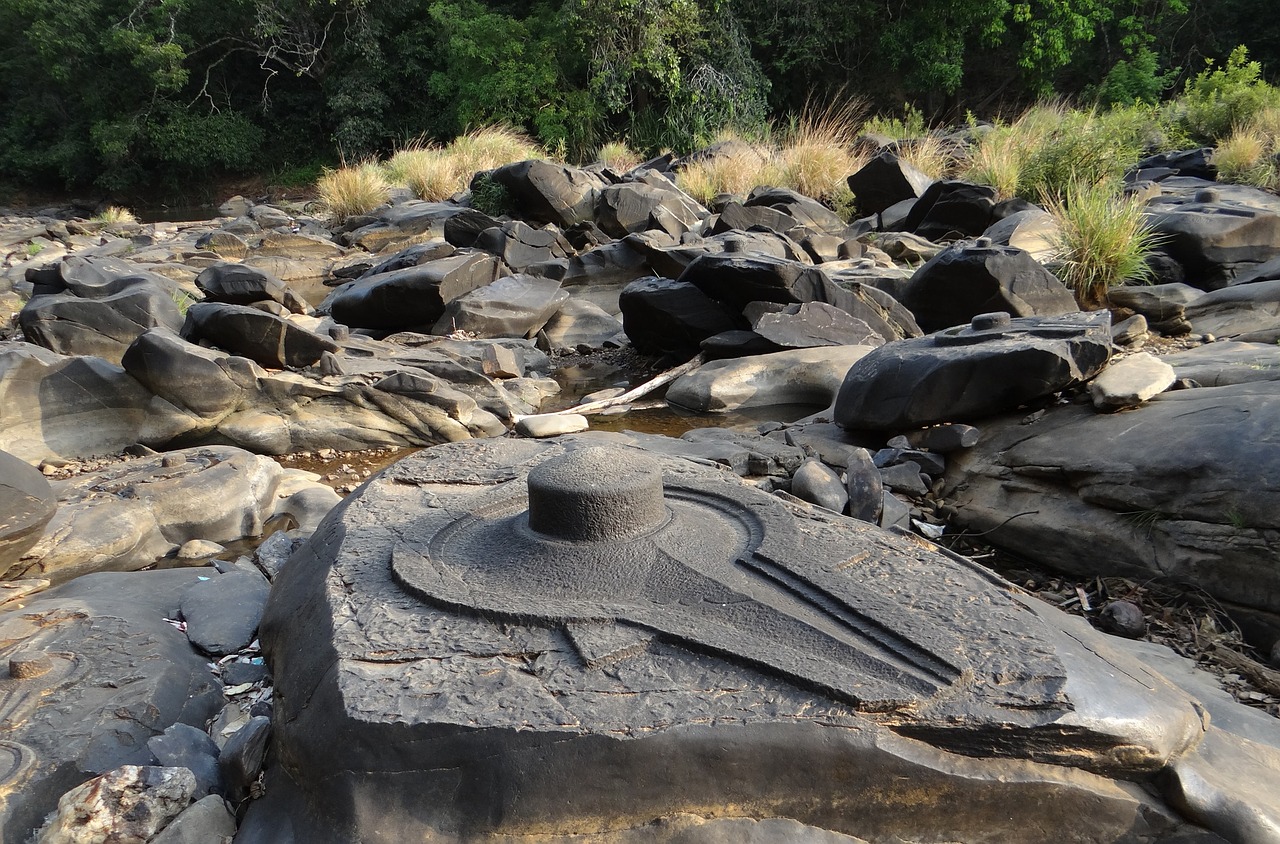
[{"x": 520, "y": 641}]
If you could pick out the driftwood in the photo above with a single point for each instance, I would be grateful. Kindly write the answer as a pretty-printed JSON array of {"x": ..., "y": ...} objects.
[
  {"x": 631, "y": 395},
  {"x": 1266, "y": 679}
]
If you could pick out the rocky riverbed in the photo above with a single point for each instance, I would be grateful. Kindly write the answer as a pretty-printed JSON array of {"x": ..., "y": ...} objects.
[{"x": 265, "y": 413}]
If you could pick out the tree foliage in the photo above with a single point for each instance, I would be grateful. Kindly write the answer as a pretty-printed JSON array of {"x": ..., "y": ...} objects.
[{"x": 127, "y": 94}]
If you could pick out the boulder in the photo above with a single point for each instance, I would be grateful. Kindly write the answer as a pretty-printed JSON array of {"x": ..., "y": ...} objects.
[
  {"x": 951, "y": 209},
  {"x": 205, "y": 382},
  {"x": 636, "y": 206},
  {"x": 990, "y": 366},
  {"x": 132, "y": 803},
  {"x": 127, "y": 516},
  {"x": 70, "y": 716},
  {"x": 627, "y": 596},
  {"x": 103, "y": 326},
  {"x": 1214, "y": 239},
  {"x": 262, "y": 337},
  {"x": 817, "y": 483},
  {"x": 884, "y": 180},
  {"x": 966, "y": 280},
  {"x": 1227, "y": 362},
  {"x": 222, "y": 612},
  {"x": 26, "y": 506},
  {"x": 1139, "y": 494},
  {"x": 68, "y": 407},
  {"x": 737, "y": 217},
  {"x": 662, "y": 316},
  {"x": 806, "y": 211},
  {"x": 205, "y": 820},
  {"x": 796, "y": 377},
  {"x": 276, "y": 244},
  {"x": 545, "y": 192},
  {"x": 238, "y": 284},
  {"x": 1245, "y": 311},
  {"x": 812, "y": 324},
  {"x": 1131, "y": 381},
  {"x": 581, "y": 323},
  {"x": 513, "y": 306},
  {"x": 520, "y": 246},
  {"x": 413, "y": 296},
  {"x": 1032, "y": 230}
]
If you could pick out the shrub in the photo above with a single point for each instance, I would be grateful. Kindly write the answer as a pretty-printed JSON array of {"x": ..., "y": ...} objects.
[
  {"x": 1083, "y": 148},
  {"x": 1102, "y": 240},
  {"x": 1136, "y": 80},
  {"x": 349, "y": 191},
  {"x": 1001, "y": 154},
  {"x": 489, "y": 196},
  {"x": 910, "y": 125},
  {"x": 1218, "y": 99}
]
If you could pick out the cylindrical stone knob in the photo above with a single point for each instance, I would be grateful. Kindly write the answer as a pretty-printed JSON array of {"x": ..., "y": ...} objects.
[
  {"x": 983, "y": 243},
  {"x": 25, "y": 665},
  {"x": 986, "y": 322},
  {"x": 1208, "y": 196},
  {"x": 596, "y": 494}
]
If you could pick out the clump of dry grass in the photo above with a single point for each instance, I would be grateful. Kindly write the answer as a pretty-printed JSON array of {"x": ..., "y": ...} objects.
[
  {"x": 436, "y": 173},
  {"x": 1002, "y": 154},
  {"x": 489, "y": 147},
  {"x": 427, "y": 171},
  {"x": 113, "y": 214},
  {"x": 818, "y": 150},
  {"x": 352, "y": 190},
  {"x": 1248, "y": 156},
  {"x": 930, "y": 155},
  {"x": 617, "y": 156},
  {"x": 1103, "y": 240},
  {"x": 735, "y": 172}
]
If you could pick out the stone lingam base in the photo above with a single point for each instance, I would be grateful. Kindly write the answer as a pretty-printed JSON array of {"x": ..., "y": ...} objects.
[{"x": 515, "y": 641}]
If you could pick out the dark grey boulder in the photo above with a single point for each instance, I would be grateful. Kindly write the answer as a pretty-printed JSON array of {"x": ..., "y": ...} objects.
[
  {"x": 463, "y": 228},
  {"x": 885, "y": 180},
  {"x": 184, "y": 746},
  {"x": 557, "y": 675},
  {"x": 581, "y": 323},
  {"x": 967, "y": 373},
  {"x": 1196, "y": 163},
  {"x": 636, "y": 206},
  {"x": 413, "y": 296},
  {"x": 513, "y": 306},
  {"x": 94, "y": 277},
  {"x": 399, "y": 225},
  {"x": 1245, "y": 311},
  {"x": 951, "y": 209},
  {"x": 1159, "y": 303},
  {"x": 242, "y": 756},
  {"x": 735, "y": 344},
  {"x": 966, "y": 280},
  {"x": 27, "y": 503},
  {"x": 241, "y": 284},
  {"x": 94, "y": 673},
  {"x": 205, "y": 820},
  {"x": 662, "y": 316},
  {"x": 818, "y": 483},
  {"x": 520, "y": 246},
  {"x": 103, "y": 326},
  {"x": 411, "y": 256},
  {"x": 545, "y": 192},
  {"x": 809, "y": 213},
  {"x": 810, "y": 324},
  {"x": 1226, "y": 362},
  {"x": 204, "y": 381},
  {"x": 222, "y": 612},
  {"x": 1139, "y": 494},
  {"x": 1212, "y": 238},
  {"x": 737, "y": 217},
  {"x": 669, "y": 258},
  {"x": 945, "y": 437},
  {"x": 865, "y": 486},
  {"x": 264, "y": 338},
  {"x": 1269, "y": 271}
]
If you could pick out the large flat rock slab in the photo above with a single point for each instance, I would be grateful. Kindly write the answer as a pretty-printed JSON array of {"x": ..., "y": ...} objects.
[
  {"x": 101, "y": 674},
  {"x": 803, "y": 666}
]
